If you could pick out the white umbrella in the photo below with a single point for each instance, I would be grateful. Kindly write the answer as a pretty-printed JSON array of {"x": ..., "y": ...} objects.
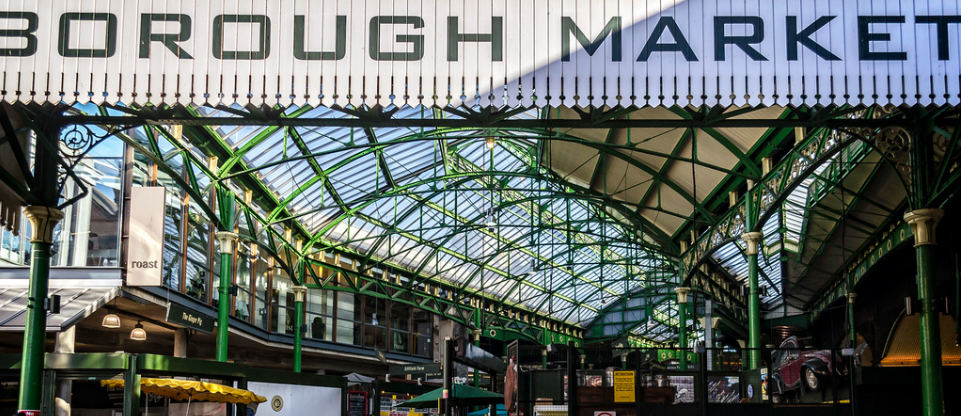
[{"x": 354, "y": 378}]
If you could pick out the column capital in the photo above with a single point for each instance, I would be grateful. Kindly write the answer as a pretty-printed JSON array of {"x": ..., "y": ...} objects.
[
  {"x": 42, "y": 222},
  {"x": 682, "y": 294},
  {"x": 753, "y": 240},
  {"x": 852, "y": 296},
  {"x": 477, "y": 333},
  {"x": 923, "y": 223},
  {"x": 300, "y": 293},
  {"x": 226, "y": 240}
]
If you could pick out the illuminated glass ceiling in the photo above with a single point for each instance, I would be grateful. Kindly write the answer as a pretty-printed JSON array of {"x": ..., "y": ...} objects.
[
  {"x": 557, "y": 221},
  {"x": 560, "y": 221}
]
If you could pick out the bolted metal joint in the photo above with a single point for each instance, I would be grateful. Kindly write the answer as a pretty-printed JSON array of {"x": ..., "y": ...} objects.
[
  {"x": 923, "y": 223},
  {"x": 753, "y": 240},
  {"x": 42, "y": 222}
]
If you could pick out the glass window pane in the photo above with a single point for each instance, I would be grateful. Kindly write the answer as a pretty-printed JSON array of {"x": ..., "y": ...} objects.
[
  {"x": 374, "y": 337},
  {"x": 198, "y": 248},
  {"x": 282, "y": 303},
  {"x": 399, "y": 317},
  {"x": 242, "y": 306},
  {"x": 400, "y": 341},
  {"x": 260, "y": 292}
]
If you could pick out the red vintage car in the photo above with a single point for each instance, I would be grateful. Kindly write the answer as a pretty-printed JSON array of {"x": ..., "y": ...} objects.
[{"x": 795, "y": 368}]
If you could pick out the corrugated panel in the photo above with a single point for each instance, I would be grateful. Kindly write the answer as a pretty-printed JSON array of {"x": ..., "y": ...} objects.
[{"x": 904, "y": 347}]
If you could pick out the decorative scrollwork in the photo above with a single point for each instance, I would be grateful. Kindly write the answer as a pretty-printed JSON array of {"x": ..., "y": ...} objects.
[
  {"x": 895, "y": 143},
  {"x": 941, "y": 145},
  {"x": 76, "y": 141}
]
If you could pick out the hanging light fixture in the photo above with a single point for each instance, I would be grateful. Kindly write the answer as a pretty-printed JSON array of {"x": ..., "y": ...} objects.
[
  {"x": 138, "y": 333},
  {"x": 111, "y": 320},
  {"x": 373, "y": 320},
  {"x": 490, "y": 142}
]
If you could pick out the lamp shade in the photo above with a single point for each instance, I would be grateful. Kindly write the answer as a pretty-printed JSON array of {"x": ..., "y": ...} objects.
[
  {"x": 138, "y": 333},
  {"x": 111, "y": 320}
]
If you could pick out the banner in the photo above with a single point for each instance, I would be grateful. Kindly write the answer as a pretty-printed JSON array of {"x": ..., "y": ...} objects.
[
  {"x": 497, "y": 52},
  {"x": 145, "y": 247}
]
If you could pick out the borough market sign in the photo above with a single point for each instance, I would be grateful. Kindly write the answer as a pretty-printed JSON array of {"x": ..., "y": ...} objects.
[{"x": 497, "y": 52}]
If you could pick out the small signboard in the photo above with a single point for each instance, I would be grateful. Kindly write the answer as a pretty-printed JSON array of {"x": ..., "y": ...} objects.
[
  {"x": 402, "y": 369},
  {"x": 624, "y": 387},
  {"x": 356, "y": 403},
  {"x": 190, "y": 318}
]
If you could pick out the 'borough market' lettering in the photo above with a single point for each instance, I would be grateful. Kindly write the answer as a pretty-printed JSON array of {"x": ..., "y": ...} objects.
[
  {"x": 408, "y": 44},
  {"x": 511, "y": 52}
]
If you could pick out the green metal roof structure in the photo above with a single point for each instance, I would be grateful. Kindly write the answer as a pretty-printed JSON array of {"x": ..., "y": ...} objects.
[{"x": 529, "y": 219}]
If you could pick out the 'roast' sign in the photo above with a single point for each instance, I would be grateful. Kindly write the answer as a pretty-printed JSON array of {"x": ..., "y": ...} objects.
[
  {"x": 516, "y": 52},
  {"x": 146, "y": 243}
]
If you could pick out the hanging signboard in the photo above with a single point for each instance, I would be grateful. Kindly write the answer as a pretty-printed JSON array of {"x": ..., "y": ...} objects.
[
  {"x": 190, "y": 318},
  {"x": 145, "y": 260},
  {"x": 515, "y": 52}
]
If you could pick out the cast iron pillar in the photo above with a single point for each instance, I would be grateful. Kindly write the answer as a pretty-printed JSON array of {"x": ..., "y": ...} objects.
[
  {"x": 923, "y": 223},
  {"x": 477, "y": 337},
  {"x": 300, "y": 294},
  {"x": 753, "y": 240},
  {"x": 682, "y": 323},
  {"x": 226, "y": 240},
  {"x": 852, "y": 334},
  {"x": 42, "y": 221}
]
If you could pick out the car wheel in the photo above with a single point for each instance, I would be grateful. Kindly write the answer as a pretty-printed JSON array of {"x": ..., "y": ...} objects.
[
  {"x": 811, "y": 380},
  {"x": 777, "y": 399}
]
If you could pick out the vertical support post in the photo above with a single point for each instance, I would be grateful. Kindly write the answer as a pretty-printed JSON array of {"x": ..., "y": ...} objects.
[
  {"x": 682, "y": 323},
  {"x": 131, "y": 388},
  {"x": 180, "y": 342},
  {"x": 226, "y": 240},
  {"x": 853, "y": 344},
  {"x": 544, "y": 358},
  {"x": 709, "y": 334},
  {"x": 477, "y": 336},
  {"x": 448, "y": 372},
  {"x": 42, "y": 221},
  {"x": 923, "y": 223},
  {"x": 300, "y": 294},
  {"x": 753, "y": 240},
  {"x": 571, "y": 378}
]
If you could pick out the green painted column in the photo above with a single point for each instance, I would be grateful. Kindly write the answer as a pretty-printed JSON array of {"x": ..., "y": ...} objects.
[
  {"x": 923, "y": 223},
  {"x": 226, "y": 240},
  {"x": 42, "y": 222},
  {"x": 682, "y": 324},
  {"x": 753, "y": 240},
  {"x": 477, "y": 337},
  {"x": 300, "y": 294},
  {"x": 853, "y": 336},
  {"x": 544, "y": 358}
]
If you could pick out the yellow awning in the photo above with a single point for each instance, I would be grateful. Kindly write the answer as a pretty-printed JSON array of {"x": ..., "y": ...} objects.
[{"x": 192, "y": 390}]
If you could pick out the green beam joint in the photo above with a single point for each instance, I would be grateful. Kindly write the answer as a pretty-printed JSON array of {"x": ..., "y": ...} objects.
[
  {"x": 682, "y": 293},
  {"x": 226, "y": 240},
  {"x": 300, "y": 294},
  {"x": 923, "y": 223},
  {"x": 42, "y": 222}
]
